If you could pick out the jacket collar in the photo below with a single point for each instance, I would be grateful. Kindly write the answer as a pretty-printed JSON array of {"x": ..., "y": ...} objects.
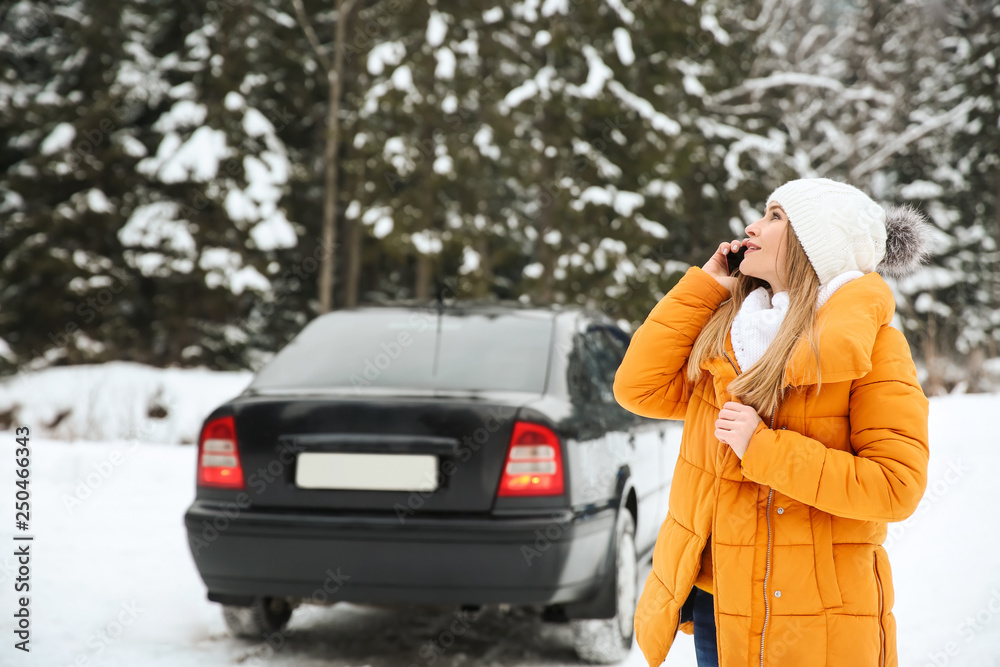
[{"x": 848, "y": 323}]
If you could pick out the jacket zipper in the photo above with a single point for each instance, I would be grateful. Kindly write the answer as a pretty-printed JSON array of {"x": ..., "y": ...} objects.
[
  {"x": 767, "y": 571},
  {"x": 881, "y": 604}
]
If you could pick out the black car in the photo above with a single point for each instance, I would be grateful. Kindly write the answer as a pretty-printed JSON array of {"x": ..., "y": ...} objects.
[{"x": 461, "y": 454}]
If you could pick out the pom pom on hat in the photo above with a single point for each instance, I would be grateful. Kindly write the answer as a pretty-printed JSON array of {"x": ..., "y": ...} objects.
[
  {"x": 908, "y": 242},
  {"x": 842, "y": 229}
]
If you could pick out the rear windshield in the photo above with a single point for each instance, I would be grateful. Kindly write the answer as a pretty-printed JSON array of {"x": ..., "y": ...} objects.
[{"x": 415, "y": 349}]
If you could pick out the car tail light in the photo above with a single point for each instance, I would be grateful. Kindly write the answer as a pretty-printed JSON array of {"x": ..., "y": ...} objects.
[
  {"x": 218, "y": 455},
  {"x": 534, "y": 463}
]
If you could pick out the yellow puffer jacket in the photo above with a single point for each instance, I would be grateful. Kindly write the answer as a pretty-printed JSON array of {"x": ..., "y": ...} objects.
[{"x": 798, "y": 571}]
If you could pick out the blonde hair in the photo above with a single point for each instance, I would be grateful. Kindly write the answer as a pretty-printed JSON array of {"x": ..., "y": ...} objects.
[{"x": 762, "y": 385}]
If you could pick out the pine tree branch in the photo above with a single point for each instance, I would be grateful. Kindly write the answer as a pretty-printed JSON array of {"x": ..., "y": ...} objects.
[
  {"x": 897, "y": 144},
  {"x": 801, "y": 79}
]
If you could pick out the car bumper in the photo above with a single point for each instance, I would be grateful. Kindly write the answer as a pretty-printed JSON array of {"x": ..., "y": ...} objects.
[{"x": 553, "y": 558}]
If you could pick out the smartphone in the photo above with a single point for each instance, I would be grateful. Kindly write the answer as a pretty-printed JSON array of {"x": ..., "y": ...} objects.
[{"x": 733, "y": 259}]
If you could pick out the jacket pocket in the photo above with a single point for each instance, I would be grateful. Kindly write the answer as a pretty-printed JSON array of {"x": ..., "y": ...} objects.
[
  {"x": 881, "y": 610},
  {"x": 826, "y": 570}
]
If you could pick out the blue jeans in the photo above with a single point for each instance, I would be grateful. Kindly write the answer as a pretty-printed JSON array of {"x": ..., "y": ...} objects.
[{"x": 706, "y": 646}]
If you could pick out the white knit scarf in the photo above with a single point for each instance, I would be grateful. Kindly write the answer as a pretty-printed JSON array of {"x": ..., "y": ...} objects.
[{"x": 760, "y": 316}]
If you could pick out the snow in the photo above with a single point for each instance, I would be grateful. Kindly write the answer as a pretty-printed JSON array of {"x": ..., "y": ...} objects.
[
  {"x": 402, "y": 79},
  {"x": 483, "y": 139},
  {"x": 594, "y": 195},
  {"x": 274, "y": 232},
  {"x": 265, "y": 175},
  {"x": 710, "y": 23},
  {"x": 12, "y": 201},
  {"x": 921, "y": 190},
  {"x": 98, "y": 201},
  {"x": 59, "y": 139},
  {"x": 437, "y": 28},
  {"x": 239, "y": 206},
  {"x": 198, "y": 158},
  {"x": 597, "y": 76},
  {"x": 156, "y": 264},
  {"x": 449, "y": 104},
  {"x": 281, "y": 18},
  {"x": 525, "y": 91},
  {"x": 379, "y": 218},
  {"x": 224, "y": 268},
  {"x": 234, "y": 101},
  {"x": 249, "y": 278},
  {"x": 623, "y": 12},
  {"x": 533, "y": 270},
  {"x": 353, "y": 210},
  {"x": 256, "y": 124},
  {"x": 493, "y": 15},
  {"x": 426, "y": 242},
  {"x": 186, "y": 90},
  {"x": 386, "y": 53},
  {"x": 539, "y": 84},
  {"x": 395, "y": 152},
  {"x": 645, "y": 109},
  {"x": 667, "y": 190},
  {"x": 113, "y": 401},
  {"x": 623, "y": 46},
  {"x": 5, "y": 351},
  {"x": 626, "y": 202},
  {"x": 470, "y": 262},
  {"x": 443, "y": 165},
  {"x": 131, "y": 146},
  {"x": 654, "y": 229},
  {"x": 183, "y": 113},
  {"x": 692, "y": 86},
  {"x": 445, "y": 69},
  {"x": 155, "y": 226},
  {"x": 133, "y": 597}
]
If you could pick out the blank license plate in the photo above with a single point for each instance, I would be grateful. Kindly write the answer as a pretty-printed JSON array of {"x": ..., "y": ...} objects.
[{"x": 367, "y": 472}]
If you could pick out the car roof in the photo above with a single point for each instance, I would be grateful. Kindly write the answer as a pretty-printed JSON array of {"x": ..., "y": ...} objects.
[{"x": 472, "y": 306}]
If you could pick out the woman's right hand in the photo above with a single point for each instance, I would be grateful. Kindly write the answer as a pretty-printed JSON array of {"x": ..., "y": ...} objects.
[{"x": 717, "y": 266}]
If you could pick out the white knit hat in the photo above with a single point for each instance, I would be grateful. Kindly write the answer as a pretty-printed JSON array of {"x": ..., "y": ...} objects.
[{"x": 840, "y": 227}]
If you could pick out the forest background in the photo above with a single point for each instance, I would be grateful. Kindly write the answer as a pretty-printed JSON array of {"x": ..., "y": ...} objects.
[{"x": 189, "y": 182}]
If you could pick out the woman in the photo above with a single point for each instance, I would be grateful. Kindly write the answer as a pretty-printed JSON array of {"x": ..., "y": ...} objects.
[{"x": 805, "y": 433}]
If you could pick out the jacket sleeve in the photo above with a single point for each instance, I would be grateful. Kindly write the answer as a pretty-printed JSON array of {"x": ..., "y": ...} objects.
[
  {"x": 886, "y": 478},
  {"x": 651, "y": 380}
]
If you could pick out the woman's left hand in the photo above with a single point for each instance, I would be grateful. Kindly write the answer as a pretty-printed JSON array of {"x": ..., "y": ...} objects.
[{"x": 735, "y": 426}]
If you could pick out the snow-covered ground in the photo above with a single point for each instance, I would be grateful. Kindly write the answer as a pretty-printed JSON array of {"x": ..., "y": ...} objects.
[
  {"x": 118, "y": 400},
  {"x": 113, "y": 582}
]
